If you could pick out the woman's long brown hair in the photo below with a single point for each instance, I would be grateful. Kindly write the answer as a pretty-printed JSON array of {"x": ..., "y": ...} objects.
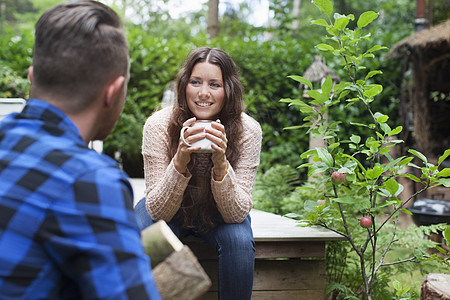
[{"x": 196, "y": 215}]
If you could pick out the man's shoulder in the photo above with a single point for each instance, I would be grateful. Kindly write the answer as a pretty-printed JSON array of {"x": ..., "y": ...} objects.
[{"x": 53, "y": 156}]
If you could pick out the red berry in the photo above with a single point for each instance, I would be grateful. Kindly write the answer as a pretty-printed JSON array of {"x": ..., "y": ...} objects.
[
  {"x": 321, "y": 202},
  {"x": 365, "y": 222},
  {"x": 338, "y": 178}
]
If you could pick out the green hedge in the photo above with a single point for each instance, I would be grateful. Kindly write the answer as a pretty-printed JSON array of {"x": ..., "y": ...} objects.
[{"x": 155, "y": 61}]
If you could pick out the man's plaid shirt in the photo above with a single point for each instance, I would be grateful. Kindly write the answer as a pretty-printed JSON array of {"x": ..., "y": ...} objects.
[{"x": 67, "y": 225}]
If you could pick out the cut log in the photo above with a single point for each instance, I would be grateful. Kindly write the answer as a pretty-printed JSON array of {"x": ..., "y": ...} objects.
[
  {"x": 180, "y": 276},
  {"x": 435, "y": 286},
  {"x": 159, "y": 242},
  {"x": 177, "y": 272}
]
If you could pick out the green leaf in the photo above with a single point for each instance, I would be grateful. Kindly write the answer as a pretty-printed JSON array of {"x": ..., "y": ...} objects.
[
  {"x": 385, "y": 193},
  {"x": 333, "y": 31},
  {"x": 307, "y": 165},
  {"x": 308, "y": 153},
  {"x": 325, "y": 156},
  {"x": 397, "y": 286},
  {"x": 373, "y": 73},
  {"x": 356, "y": 161},
  {"x": 355, "y": 139},
  {"x": 444, "y": 173},
  {"x": 391, "y": 185},
  {"x": 444, "y": 181},
  {"x": 385, "y": 127},
  {"x": 320, "y": 22},
  {"x": 383, "y": 119},
  {"x": 293, "y": 101},
  {"x": 360, "y": 124},
  {"x": 377, "y": 115},
  {"x": 292, "y": 127},
  {"x": 444, "y": 156},
  {"x": 327, "y": 86},
  {"x": 302, "y": 80},
  {"x": 406, "y": 211},
  {"x": 366, "y": 18},
  {"x": 418, "y": 154},
  {"x": 395, "y": 131},
  {"x": 376, "y": 48},
  {"x": 319, "y": 97},
  {"x": 324, "y": 47},
  {"x": 334, "y": 145},
  {"x": 374, "y": 173},
  {"x": 341, "y": 23},
  {"x": 324, "y": 6},
  {"x": 392, "y": 163},
  {"x": 405, "y": 161},
  {"x": 373, "y": 90},
  {"x": 440, "y": 249},
  {"x": 411, "y": 176},
  {"x": 446, "y": 234}
]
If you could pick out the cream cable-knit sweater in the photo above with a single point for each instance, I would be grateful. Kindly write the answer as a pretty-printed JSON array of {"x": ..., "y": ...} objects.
[{"x": 165, "y": 186}]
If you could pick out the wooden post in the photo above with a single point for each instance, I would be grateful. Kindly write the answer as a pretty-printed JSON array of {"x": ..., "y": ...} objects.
[
  {"x": 177, "y": 272},
  {"x": 180, "y": 276},
  {"x": 435, "y": 286},
  {"x": 159, "y": 242}
]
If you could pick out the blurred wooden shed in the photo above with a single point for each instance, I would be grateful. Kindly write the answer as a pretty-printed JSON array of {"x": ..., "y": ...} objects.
[{"x": 425, "y": 99}]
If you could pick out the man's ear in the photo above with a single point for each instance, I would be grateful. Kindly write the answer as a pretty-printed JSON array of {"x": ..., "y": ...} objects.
[
  {"x": 112, "y": 89},
  {"x": 30, "y": 73}
]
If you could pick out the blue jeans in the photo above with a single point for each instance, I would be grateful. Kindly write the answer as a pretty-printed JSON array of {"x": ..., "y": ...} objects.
[{"x": 235, "y": 250}]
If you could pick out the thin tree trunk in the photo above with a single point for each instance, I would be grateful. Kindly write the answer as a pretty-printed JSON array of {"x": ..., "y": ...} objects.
[
  {"x": 296, "y": 15},
  {"x": 213, "y": 19},
  {"x": 271, "y": 23}
]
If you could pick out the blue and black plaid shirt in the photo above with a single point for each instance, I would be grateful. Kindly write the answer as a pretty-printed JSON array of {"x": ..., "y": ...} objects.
[{"x": 67, "y": 225}]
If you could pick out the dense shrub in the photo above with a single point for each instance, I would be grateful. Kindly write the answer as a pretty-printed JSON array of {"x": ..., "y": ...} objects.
[
  {"x": 15, "y": 58},
  {"x": 11, "y": 84},
  {"x": 16, "y": 52},
  {"x": 155, "y": 61}
]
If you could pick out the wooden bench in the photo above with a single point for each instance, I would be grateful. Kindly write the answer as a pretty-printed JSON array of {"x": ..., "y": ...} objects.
[{"x": 289, "y": 260}]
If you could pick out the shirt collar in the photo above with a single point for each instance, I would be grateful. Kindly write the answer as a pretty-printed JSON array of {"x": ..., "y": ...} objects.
[{"x": 50, "y": 114}]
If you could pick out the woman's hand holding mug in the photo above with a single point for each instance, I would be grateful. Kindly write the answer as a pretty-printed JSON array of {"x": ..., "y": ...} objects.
[
  {"x": 202, "y": 136},
  {"x": 198, "y": 140}
]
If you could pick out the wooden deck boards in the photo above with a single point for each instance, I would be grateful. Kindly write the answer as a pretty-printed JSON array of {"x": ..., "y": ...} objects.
[{"x": 271, "y": 227}]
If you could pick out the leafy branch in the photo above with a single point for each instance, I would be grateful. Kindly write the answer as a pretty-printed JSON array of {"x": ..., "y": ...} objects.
[{"x": 373, "y": 188}]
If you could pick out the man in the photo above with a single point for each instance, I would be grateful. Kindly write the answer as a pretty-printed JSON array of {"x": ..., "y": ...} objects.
[{"x": 67, "y": 226}]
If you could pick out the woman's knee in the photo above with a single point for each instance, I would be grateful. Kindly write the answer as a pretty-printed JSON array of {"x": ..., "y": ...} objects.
[{"x": 235, "y": 237}]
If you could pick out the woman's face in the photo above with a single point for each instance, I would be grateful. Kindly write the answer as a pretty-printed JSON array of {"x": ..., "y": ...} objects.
[{"x": 205, "y": 92}]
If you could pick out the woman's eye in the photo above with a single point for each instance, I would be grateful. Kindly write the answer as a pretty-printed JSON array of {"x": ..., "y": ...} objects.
[
  {"x": 216, "y": 85},
  {"x": 194, "y": 82}
]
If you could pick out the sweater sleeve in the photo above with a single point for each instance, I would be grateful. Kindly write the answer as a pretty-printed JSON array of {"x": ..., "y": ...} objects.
[
  {"x": 233, "y": 194},
  {"x": 164, "y": 184}
]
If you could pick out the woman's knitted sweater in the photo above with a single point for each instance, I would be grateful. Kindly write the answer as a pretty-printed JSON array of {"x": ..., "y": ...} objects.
[{"x": 165, "y": 186}]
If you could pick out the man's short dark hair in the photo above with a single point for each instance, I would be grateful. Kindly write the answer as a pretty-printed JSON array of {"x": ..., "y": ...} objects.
[{"x": 80, "y": 46}]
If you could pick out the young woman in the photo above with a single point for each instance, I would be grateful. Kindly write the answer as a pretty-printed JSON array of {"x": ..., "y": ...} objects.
[{"x": 208, "y": 195}]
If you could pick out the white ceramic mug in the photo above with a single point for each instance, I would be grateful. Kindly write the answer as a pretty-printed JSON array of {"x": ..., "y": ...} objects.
[{"x": 205, "y": 144}]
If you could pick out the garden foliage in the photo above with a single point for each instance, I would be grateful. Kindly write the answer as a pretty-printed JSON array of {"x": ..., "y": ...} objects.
[{"x": 371, "y": 187}]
